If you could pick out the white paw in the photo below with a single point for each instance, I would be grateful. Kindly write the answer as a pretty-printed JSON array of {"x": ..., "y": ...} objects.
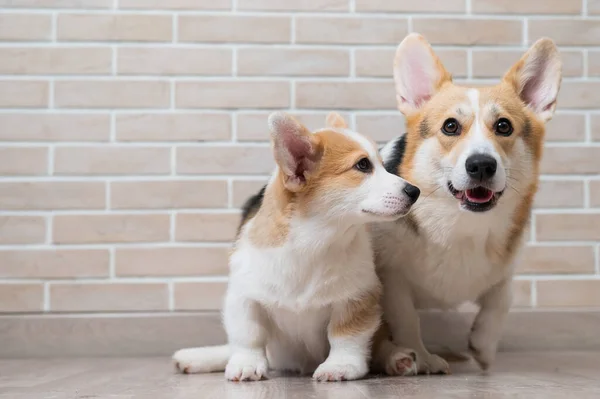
[
  {"x": 483, "y": 352},
  {"x": 401, "y": 362},
  {"x": 248, "y": 366},
  {"x": 432, "y": 364},
  {"x": 184, "y": 361},
  {"x": 337, "y": 370}
]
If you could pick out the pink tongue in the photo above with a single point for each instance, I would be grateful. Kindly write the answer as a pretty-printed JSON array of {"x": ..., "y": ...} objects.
[{"x": 479, "y": 195}]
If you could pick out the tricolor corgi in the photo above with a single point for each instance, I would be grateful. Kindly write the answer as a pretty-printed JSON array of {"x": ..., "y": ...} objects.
[
  {"x": 475, "y": 155},
  {"x": 303, "y": 293}
]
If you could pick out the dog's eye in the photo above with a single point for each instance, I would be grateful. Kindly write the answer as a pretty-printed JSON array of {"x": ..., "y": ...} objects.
[
  {"x": 451, "y": 127},
  {"x": 503, "y": 127},
  {"x": 364, "y": 165}
]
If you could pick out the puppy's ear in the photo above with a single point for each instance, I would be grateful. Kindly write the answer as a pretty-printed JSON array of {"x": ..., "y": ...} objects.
[
  {"x": 335, "y": 120},
  {"x": 536, "y": 78},
  {"x": 296, "y": 150},
  {"x": 418, "y": 73}
]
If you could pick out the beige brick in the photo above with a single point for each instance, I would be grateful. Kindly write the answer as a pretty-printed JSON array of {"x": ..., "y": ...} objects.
[
  {"x": 293, "y": 62},
  {"x": 595, "y": 126},
  {"x": 23, "y": 27},
  {"x": 200, "y": 296},
  {"x": 410, "y": 5},
  {"x": 381, "y": 127},
  {"x": 594, "y": 63},
  {"x": 345, "y": 95},
  {"x": 568, "y": 227},
  {"x": 100, "y": 297},
  {"x": 378, "y": 62},
  {"x": 469, "y": 31},
  {"x": 557, "y": 260},
  {"x": 176, "y": 4},
  {"x": 232, "y": 94},
  {"x": 55, "y": 60},
  {"x": 559, "y": 194},
  {"x": 206, "y": 226},
  {"x": 114, "y": 27},
  {"x": 111, "y": 94},
  {"x": 54, "y": 127},
  {"x": 110, "y": 228},
  {"x": 168, "y": 194},
  {"x": 363, "y": 30},
  {"x": 172, "y": 261},
  {"x": 526, "y": 7},
  {"x": 54, "y": 263},
  {"x": 593, "y": 7},
  {"x": 174, "y": 61},
  {"x": 21, "y": 298},
  {"x": 595, "y": 194},
  {"x": 580, "y": 160},
  {"x": 495, "y": 63},
  {"x": 23, "y": 161},
  {"x": 566, "y": 32},
  {"x": 233, "y": 28},
  {"x": 521, "y": 294},
  {"x": 224, "y": 160},
  {"x": 297, "y": 5},
  {"x": 244, "y": 189},
  {"x": 253, "y": 126},
  {"x": 566, "y": 127},
  {"x": 52, "y": 195},
  {"x": 111, "y": 160},
  {"x": 173, "y": 127},
  {"x": 568, "y": 293},
  {"x": 57, "y": 3},
  {"x": 22, "y": 230},
  {"x": 23, "y": 94}
]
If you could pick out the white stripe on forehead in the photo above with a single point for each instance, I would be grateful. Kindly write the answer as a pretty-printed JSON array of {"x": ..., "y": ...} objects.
[
  {"x": 365, "y": 143},
  {"x": 478, "y": 141}
]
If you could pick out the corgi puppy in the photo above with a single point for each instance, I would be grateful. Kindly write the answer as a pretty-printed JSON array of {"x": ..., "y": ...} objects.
[
  {"x": 303, "y": 294},
  {"x": 475, "y": 155}
]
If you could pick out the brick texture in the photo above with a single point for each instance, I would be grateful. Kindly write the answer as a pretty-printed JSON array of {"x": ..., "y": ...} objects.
[{"x": 132, "y": 131}]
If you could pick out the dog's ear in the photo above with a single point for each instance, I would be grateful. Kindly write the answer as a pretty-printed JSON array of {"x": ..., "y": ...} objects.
[
  {"x": 335, "y": 120},
  {"x": 418, "y": 73},
  {"x": 295, "y": 148},
  {"x": 536, "y": 78}
]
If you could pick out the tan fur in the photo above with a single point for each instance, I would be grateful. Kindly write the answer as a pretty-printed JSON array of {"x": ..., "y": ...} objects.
[
  {"x": 359, "y": 314},
  {"x": 271, "y": 224}
]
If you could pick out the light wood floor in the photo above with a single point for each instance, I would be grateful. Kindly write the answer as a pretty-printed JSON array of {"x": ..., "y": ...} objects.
[{"x": 564, "y": 375}]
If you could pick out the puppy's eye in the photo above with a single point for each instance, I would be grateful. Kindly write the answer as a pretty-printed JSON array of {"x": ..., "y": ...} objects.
[
  {"x": 364, "y": 165},
  {"x": 451, "y": 127},
  {"x": 503, "y": 127}
]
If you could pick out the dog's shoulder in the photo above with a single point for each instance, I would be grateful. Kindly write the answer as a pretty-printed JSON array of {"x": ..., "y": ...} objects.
[{"x": 393, "y": 153}]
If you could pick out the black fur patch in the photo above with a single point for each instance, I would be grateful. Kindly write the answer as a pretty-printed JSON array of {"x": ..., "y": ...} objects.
[
  {"x": 393, "y": 163},
  {"x": 424, "y": 128},
  {"x": 527, "y": 128},
  {"x": 252, "y": 205}
]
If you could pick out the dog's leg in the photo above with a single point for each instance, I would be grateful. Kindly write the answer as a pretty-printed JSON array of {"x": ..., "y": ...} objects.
[
  {"x": 350, "y": 332},
  {"x": 246, "y": 327},
  {"x": 403, "y": 320},
  {"x": 391, "y": 359},
  {"x": 487, "y": 327}
]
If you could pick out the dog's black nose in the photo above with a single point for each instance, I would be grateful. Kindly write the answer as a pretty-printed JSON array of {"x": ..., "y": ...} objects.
[
  {"x": 412, "y": 192},
  {"x": 481, "y": 166}
]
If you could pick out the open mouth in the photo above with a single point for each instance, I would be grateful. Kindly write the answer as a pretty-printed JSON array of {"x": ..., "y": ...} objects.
[{"x": 476, "y": 199}]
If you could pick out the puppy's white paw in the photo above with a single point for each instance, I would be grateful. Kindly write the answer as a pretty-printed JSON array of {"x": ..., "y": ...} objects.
[
  {"x": 186, "y": 361},
  {"x": 401, "y": 362},
  {"x": 432, "y": 364},
  {"x": 339, "y": 370},
  {"x": 247, "y": 366},
  {"x": 483, "y": 352}
]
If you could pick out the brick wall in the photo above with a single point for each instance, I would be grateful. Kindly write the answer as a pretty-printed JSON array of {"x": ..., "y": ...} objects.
[{"x": 131, "y": 130}]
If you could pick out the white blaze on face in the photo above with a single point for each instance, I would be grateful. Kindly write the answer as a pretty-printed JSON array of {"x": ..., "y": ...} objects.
[{"x": 477, "y": 142}]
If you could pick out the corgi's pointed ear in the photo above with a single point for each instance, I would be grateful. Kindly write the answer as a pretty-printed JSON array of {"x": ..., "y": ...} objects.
[
  {"x": 335, "y": 120},
  {"x": 296, "y": 150},
  {"x": 536, "y": 78},
  {"x": 418, "y": 73}
]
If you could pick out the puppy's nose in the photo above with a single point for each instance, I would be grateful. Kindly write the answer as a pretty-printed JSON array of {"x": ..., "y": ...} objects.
[
  {"x": 481, "y": 166},
  {"x": 412, "y": 192}
]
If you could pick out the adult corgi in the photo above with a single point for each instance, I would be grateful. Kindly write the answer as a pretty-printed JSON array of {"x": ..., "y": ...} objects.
[{"x": 475, "y": 155}]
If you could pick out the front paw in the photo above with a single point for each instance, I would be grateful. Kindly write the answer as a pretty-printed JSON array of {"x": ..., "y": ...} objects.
[
  {"x": 340, "y": 370},
  {"x": 481, "y": 349},
  {"x": 247, "y": 366},
  {"x": 432, "y": 364},
  {"x": 401, "y": 362}
]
